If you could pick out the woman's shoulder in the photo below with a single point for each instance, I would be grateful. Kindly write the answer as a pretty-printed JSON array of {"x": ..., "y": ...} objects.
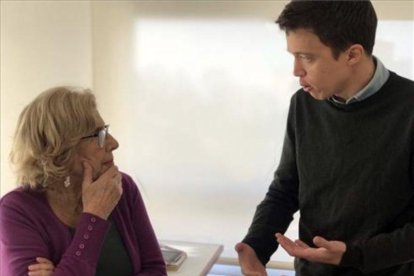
[
  {"x": 22, "y": 202},
  {"x": 127, "y": 182},
  {"x": 21, "y": 196},
  {"x": 130, "y": 188}
]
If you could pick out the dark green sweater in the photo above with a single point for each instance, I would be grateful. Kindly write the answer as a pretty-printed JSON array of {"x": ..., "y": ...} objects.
[{"x": 349, "y": 169}]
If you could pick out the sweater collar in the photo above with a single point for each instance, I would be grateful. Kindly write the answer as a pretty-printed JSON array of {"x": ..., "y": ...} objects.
[{"x": 380, "y": 77}]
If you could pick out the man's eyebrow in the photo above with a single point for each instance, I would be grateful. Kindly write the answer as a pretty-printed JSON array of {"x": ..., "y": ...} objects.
[
  {"x": 298, "y": 52},
  {"x": 301, "y": 53}
]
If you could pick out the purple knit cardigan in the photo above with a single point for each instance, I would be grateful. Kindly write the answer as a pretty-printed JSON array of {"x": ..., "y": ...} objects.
[{"x": 29, "y": 229}]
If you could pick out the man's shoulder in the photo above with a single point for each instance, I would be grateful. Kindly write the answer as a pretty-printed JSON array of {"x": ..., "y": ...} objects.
[{"x": 401, "y": 82}]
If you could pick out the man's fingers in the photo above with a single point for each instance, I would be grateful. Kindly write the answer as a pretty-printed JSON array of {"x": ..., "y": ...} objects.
[
  {"x": 287, "y": 244},
  {"x": 329, "y": 252},
  {"x": 301, "y": 244},
  {"x": 321, "y": 242},
  {"x": 239, "y": 247},
  {"x": 249, "y": 263},
  {"x": 284, "y": 241},
  {"x": 280, "y": 238}
]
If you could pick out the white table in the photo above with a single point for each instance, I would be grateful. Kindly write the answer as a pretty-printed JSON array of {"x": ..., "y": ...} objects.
[{"x": 200, "y": 257}]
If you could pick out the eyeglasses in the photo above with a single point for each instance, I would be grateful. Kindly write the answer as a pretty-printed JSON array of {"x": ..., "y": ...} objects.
[{"x": 101, "y": 134}]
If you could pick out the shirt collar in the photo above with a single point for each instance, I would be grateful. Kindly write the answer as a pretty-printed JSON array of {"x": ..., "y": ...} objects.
[{"x": 380, "y": 77}]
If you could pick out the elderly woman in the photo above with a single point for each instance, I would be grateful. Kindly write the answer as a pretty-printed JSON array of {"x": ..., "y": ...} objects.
[{"x": 74, "y": 213}]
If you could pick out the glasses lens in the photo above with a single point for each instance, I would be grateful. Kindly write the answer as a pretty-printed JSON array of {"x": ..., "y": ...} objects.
[{"x": 102, "y": 136}]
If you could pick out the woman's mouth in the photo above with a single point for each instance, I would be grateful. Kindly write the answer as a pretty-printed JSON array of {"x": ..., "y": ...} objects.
[{"x": 109, "y": 163}]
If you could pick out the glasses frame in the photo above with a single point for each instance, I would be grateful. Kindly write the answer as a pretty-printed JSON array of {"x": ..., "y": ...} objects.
[{"x": 101, "y": 134}]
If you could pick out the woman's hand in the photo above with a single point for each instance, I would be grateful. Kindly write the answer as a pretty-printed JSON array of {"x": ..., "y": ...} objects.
[
  {"x": 101, "y": 196},
  {"x": 43, "y": 267}
]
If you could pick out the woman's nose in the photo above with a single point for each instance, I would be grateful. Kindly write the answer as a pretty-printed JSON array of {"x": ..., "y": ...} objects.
[{"x": 111, "y": 143}]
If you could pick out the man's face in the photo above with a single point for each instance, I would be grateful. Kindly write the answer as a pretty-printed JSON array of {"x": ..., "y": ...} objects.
[{"x": 320, "y": 74}]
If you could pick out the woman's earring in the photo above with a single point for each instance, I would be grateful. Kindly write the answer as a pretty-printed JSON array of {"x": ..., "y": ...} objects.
[{"x": 67, "y": 182}]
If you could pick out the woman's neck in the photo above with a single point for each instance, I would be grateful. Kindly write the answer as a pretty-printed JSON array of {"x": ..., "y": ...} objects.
[{"x": 65, "y": 202}]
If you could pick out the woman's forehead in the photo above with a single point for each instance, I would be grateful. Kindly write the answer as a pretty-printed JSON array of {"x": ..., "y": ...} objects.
[{"x": 99, "y": 122}]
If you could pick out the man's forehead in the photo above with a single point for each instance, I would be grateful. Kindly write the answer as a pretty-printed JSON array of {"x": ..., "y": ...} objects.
[{"x": 304, "y": 42}]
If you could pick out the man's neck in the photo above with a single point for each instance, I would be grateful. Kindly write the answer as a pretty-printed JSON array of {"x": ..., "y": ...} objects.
[{"x": 360, "y": 77}]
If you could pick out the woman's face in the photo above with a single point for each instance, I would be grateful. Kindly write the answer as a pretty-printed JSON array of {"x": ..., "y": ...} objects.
[{"x": 96, "y": 149}]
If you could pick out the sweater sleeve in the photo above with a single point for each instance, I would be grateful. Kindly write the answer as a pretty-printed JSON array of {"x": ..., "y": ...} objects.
[
  {"x": 275, "y": 212},
  {"x": 152, "y": 262},
  {"x": 382, "y": 251},
  {"x": 22, "y": 239},
  {"x": 81, "y": 257}
]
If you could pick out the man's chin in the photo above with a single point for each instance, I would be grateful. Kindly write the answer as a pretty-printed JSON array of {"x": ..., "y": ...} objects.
[{"x": 318, "y": 96}]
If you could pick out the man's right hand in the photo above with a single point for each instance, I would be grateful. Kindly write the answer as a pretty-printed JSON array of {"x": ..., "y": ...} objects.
[{"x": 249, "y": 263}]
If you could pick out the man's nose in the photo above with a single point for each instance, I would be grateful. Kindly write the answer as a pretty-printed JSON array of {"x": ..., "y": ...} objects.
[{"x": 298, "y": 70}]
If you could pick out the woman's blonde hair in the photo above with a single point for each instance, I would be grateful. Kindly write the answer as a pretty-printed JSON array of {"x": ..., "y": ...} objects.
[{"x": 48, "y": 131}]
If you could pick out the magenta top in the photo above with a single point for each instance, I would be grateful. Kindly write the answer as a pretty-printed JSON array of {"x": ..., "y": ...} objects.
[{"x": 30, "y": 229}]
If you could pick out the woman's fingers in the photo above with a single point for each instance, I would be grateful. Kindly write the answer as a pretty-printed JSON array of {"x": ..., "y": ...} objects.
[{"x": 43, "y": 267}]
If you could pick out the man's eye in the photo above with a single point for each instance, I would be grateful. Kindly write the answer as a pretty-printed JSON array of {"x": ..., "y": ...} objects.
[{"x": 305, "y": 57}]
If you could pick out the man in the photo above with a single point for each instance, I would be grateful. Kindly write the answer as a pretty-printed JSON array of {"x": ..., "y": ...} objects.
[{"x": 348, "y": 156}]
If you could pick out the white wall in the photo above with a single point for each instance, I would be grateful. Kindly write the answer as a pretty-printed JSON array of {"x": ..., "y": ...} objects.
[
  {"x": 43, "y": 44},
  {"x": 195, "y": 91},
  {"x": 197, "y": 94}
]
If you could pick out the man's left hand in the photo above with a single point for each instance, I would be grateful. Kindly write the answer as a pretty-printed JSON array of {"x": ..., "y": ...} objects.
[{"x": 328, "y": 252}]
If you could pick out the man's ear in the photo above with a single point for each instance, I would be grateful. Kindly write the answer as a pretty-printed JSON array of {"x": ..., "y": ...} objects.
[{"x": 355, "y": 53}]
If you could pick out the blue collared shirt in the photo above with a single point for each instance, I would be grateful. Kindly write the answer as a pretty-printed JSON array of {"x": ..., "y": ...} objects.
[{"x": 380, "y": 77}]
